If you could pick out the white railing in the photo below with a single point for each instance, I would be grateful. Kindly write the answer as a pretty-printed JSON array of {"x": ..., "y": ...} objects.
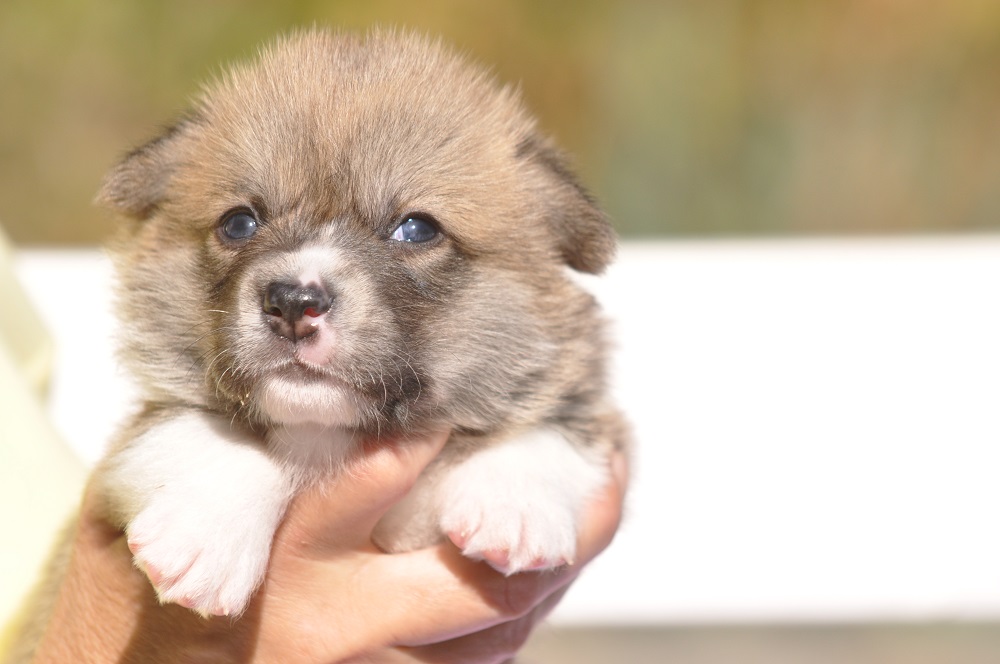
[{"x": 818, "y": 424}]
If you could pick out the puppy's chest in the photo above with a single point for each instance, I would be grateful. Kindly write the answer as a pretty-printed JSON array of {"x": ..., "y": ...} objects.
[{"x": 312, "y": 450}]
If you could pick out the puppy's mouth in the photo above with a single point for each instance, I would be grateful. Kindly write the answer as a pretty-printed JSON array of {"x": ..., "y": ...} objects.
[
  {"x": 300, "y": 383},
  {"x": 309, "y": 360},
  {"x": 312, "y": 355},
  {"x": 293, "y": 367}
]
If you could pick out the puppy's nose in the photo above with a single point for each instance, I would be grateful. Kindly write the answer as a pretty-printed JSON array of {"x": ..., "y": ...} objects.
[{"x": 294, "y": 310}]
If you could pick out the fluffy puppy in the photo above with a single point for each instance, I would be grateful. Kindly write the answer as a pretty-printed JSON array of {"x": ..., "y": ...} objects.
[{"x": 354, "y": 239}]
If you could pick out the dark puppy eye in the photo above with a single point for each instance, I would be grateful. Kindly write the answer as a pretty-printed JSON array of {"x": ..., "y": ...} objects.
[
  {"x": 415, "y": 229},
  {"x": 238, "y": 225}
]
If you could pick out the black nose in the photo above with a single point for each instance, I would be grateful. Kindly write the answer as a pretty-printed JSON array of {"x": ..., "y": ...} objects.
[{"x": 294, "y": 308}]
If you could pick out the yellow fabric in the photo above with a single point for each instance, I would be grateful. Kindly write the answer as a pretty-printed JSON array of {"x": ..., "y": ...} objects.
[
  {"x": 41, "y": 480},
  {"x": 21, "y": 331}
]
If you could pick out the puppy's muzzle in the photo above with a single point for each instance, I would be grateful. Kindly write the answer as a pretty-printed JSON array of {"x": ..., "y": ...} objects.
[{"x": 294, "y": 310}]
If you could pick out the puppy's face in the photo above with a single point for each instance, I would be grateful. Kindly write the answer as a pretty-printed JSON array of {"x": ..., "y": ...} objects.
[{"x": 356, "y": 232}]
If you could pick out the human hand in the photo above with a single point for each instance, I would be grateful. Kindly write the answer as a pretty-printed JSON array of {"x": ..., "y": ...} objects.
[
  {"x": 330, "y": 595},
  {"x": 432, "y": 605}
]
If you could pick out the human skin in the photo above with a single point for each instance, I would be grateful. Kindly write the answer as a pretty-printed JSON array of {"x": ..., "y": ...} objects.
[{"x": 330, "y": 596}]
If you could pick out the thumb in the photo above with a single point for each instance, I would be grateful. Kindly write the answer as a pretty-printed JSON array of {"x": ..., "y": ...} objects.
[{"x": 341, "y": 511}]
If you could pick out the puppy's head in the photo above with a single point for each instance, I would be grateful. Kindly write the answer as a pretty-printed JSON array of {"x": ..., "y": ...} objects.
[{"x": 361, "y": 232}]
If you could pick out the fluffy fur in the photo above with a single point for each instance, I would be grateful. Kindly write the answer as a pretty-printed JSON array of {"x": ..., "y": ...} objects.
[{"x": 330, "y": 142}]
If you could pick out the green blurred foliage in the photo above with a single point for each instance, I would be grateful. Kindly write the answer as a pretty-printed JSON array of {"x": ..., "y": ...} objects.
[{"x": 685, "y": 117}]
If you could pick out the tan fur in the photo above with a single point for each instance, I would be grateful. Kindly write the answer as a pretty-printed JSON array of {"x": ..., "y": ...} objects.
[{"x": 332, "y": 139}]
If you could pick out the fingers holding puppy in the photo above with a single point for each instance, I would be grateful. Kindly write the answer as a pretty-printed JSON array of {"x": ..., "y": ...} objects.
[
  {"x": 341, "y": 514},
  {"x": 493, "y": 645},
  {"x": 431, "y": 605},
  {"x": 471, "y": 596}
]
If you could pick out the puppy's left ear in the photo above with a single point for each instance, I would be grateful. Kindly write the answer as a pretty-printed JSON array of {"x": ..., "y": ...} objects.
[
  {"x": 583, "y": 232},
  {"x": 138, "y": 183}
]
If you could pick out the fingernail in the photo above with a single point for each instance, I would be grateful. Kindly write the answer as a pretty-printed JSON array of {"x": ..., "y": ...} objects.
[{"x": 459, "y": 539}]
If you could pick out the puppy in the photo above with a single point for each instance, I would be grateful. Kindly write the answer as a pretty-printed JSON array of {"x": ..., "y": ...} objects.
[{"x": 354, "y": 239}]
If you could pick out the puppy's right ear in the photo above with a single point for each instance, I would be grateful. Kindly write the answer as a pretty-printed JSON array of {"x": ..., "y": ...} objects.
[{"x": 137, "y": 185}]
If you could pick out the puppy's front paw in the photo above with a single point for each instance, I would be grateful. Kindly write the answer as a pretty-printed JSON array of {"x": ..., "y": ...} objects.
[
  {"x": 514, "y": 536},
  {"x": 516, "y": 505},
  {"x": 201, "y": 504},
  {"x": 205, "y": 557}
]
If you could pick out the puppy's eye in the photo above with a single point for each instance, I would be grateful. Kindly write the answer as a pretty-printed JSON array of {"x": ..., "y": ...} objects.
[
  {"x": 415, "y": 229},
  {"x": 238, "y": 226}
]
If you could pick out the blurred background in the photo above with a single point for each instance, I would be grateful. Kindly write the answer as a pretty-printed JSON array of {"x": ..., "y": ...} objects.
[
  {"x": 686, "y": 118},
  {"x": 707, "y": 120}
]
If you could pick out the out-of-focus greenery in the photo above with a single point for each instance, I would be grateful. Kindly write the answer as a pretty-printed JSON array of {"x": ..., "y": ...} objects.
[{"x": 693, "y": 117}]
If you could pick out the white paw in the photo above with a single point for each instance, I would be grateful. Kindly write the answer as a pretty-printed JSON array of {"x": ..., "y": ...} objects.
[
  {"x": 201, "y": 503},
  {"x": 209, "y": 558},
  {"x": 517, "y": 504}
]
